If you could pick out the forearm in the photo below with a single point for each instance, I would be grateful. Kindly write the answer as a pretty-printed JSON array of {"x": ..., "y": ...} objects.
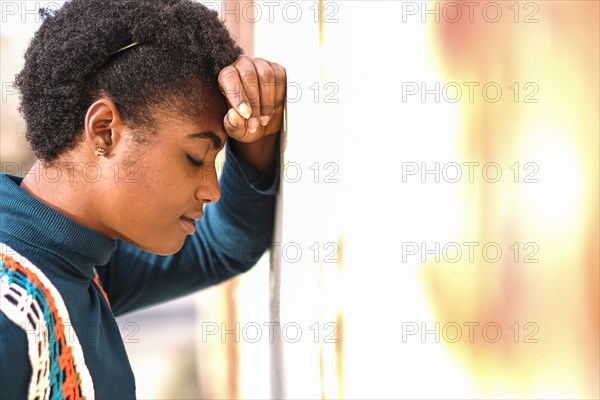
[{"x": 231, "y": 236}]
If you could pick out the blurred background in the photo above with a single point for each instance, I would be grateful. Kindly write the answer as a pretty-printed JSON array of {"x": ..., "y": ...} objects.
[{"x": 437, "y": 231}]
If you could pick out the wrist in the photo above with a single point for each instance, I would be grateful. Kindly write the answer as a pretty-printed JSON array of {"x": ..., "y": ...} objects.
[{"x": 260, "y": 154}]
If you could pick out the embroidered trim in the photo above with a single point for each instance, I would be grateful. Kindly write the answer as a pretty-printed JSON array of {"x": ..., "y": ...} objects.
[{"x": 30, "y": 301}]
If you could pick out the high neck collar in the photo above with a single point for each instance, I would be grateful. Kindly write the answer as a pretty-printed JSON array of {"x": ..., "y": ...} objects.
[{"x": 31, "y": 221}]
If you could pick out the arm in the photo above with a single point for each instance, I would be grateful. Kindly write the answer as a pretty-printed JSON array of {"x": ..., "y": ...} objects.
[
  {"x": 234, "y": 232},
  {"x": 229, "y": 240}
]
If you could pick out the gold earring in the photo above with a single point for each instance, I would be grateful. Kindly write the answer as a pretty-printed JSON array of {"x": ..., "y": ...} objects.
[{"x": 100, "y": 152}]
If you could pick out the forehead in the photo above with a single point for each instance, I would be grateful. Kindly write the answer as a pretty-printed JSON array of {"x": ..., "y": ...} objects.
[{"x": 204, "y": 122}]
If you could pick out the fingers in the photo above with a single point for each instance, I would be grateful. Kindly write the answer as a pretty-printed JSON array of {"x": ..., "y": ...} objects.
[
  {"x": 239, "y": 84},
  {"x": 235, "y": 126},
  {"x": 280, "y": 84},
  {"x": 276, "y": 122},
  {"x": 266, "y": 84},
  {"x": 249, "y": 79},
  {"x": 255, "y": 89},
  {"x": 231, "y": 87}
]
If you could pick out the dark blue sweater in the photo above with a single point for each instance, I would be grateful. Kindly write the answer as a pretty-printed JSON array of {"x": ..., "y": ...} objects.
[{"x": 62, "y": 284}]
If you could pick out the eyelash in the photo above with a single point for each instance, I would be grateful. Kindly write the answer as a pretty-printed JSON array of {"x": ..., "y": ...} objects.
[{"x": 194, "y": 162}]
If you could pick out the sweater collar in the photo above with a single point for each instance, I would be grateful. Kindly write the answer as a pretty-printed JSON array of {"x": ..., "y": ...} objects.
[{"x": 33, "y": 222}]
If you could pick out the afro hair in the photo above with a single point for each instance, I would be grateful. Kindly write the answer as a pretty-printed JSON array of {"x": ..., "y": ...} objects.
[{"x": 78, "y": 56}]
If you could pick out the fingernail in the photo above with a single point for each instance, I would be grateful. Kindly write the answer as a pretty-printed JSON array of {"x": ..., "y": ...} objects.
[
  {"x": 231, "y": 118},
  {"x": 264, "y": 120},
  {"x": 245, "y": 110},
  {"x": 252, "y": 124}
]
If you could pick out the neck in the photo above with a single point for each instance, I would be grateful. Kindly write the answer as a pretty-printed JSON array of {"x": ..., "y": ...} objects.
[{"x": 64, "y": 188}]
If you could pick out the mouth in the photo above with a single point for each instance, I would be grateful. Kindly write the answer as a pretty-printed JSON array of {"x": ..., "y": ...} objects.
[{"x": 189, "y": 222}]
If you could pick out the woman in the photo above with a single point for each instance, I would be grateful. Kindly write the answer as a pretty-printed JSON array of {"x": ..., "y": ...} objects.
[{"x": 127, "y": 104}]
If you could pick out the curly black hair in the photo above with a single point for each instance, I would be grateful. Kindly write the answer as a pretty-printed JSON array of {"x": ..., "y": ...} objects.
[{"x": 74, "y": 59}]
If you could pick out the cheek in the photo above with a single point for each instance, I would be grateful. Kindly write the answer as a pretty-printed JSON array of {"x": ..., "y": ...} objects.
[
  {"x": 147, "y": 193},
  {"x": 157, "y": 187},
  {"x": 149, "y": 216}
]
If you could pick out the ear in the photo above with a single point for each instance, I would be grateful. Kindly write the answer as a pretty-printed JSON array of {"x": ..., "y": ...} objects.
[{"x": 103, "y": 125}]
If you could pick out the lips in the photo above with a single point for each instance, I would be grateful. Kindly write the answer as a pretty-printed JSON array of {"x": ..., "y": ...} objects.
[
  {"x": 195, "y": 216},
  {"x": 188, "y": 221}
]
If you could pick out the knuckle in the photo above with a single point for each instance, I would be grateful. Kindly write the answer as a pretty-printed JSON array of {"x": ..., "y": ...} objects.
[
  {"x": 248, "y": 75},
  {"x": 282, "y": 72},
  {"x": 227, "y": 72},
  {"x": 231, "y": 128},
  {"x": 243, "y": 135},
  {"x": 266, "y": 74},
  {"x": 278, "y": 68},
  {"x": 243, "y": 65}
]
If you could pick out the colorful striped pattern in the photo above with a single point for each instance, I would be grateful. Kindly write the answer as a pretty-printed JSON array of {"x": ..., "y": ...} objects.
[
  {"x": 31, "y": 302},
  {"x": 99, "y": 285}
]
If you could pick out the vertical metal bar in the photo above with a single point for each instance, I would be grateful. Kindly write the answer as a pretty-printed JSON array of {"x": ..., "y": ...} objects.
[{"x": 277, "y": 374}]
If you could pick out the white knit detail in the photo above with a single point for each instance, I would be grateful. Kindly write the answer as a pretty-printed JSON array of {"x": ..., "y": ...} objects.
[{"x": 26, "y": 312}]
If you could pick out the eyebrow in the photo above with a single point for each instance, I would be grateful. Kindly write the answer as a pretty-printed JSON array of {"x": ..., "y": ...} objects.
[{"x": 209, "y": 135}]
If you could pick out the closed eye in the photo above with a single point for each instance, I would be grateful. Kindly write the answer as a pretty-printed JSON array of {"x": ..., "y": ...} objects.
[{"x": 194, "y": 162}]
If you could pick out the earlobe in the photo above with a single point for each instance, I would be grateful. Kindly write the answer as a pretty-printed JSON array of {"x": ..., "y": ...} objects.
[{"x": 102, "y": 125}]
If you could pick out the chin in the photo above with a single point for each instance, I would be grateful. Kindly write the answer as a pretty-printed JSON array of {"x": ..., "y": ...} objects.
[
  {"x": 168, "y": 251},
  {"x": 163, "y": 248}
]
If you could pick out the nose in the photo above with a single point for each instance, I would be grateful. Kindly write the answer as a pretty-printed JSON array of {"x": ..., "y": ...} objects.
[{"x": 208, "y": 191}]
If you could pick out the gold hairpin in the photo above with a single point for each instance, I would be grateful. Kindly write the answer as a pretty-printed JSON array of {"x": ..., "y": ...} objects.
[{"x": 125, "y": 48}]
